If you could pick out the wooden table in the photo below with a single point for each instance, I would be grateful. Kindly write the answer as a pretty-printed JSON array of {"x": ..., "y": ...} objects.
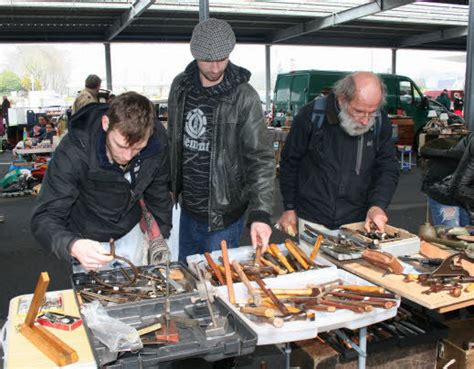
[
  {"x": 21, "y": 354},
  {"x": 442, "y": 302}
]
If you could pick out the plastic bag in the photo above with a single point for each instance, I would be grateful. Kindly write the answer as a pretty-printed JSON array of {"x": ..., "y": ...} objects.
[{"x": 113, "y": 333}]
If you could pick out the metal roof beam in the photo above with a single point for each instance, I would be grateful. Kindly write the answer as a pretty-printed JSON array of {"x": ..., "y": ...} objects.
[
  {"x": 127, "y": 17},
  {"x": 339, "y": 18},
  {"x": 425, "y": 38}
]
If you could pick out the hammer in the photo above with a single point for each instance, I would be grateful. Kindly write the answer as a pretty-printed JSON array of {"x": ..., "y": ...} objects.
[{"x": 243, "y": 277}]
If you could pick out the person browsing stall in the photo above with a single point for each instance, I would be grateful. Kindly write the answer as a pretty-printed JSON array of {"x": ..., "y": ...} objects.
[
  {"x": 112, "y": 157},
  {"x": 222, "y": 161},
  {"x": 338, "y": 165}
]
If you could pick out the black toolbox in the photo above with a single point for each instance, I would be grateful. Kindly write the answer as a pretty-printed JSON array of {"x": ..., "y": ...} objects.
[{"x": 192, "y": 317}]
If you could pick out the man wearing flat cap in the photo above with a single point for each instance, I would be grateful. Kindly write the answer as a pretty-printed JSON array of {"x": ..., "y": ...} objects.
[{"x": 222, "y": 162}]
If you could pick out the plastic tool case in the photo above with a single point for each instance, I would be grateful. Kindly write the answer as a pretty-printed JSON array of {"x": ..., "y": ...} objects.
[{"x": 191, "y": 316}]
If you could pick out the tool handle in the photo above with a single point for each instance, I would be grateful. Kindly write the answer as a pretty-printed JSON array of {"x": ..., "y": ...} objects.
[
  {"x": 290, "y": 291},
  {"x": 379, "y": 302},
  {"x": 275, "y": 268},
  {"x": 324, "y": 308},
  {"x": 258, "y": 255},
  {"x": 357, "y": 288},
  {"x": 292, "y": 250},
  {"x": 243, "y": 277},
  {"x": 316, "y": 247},
  {"x": 355, "y": 309},
  {"x": 272, "y": 296},
  {"x": 259, "y": 311},
  {"x": 277, "y": 253},
  {"x": 215, "y": 269},
  {"x": 228, "y": 272}
]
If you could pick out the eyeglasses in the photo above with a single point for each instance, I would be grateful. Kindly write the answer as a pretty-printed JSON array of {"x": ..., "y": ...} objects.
[{"x": 362, "y": 114}]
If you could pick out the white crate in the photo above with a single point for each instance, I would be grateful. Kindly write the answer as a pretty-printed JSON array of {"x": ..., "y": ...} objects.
[{"x": 300, "y": 330}]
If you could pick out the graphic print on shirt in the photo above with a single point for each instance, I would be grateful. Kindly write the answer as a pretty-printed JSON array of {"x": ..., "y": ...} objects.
[{"x": 195, "y": 126}]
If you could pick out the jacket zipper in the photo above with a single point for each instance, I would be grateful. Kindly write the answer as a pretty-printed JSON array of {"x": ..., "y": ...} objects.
[
  {"x": 211, "y": 163},
  {"x": 360, "y": 149}
]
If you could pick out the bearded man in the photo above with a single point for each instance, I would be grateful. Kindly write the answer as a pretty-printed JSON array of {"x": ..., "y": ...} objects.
[{"x": 339, "y": 163}]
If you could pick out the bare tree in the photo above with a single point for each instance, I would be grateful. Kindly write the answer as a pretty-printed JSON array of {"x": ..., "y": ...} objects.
[{"x": 42, "y": 63}]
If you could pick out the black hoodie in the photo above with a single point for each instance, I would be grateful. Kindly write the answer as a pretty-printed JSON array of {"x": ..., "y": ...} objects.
[{"x": 84, "y": 196}]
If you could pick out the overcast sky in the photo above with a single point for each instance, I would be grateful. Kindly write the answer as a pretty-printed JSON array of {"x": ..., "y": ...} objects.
[{"x": 156, "y": 64}]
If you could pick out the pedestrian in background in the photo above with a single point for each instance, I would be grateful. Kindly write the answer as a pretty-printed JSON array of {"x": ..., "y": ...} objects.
[
  {"x": 443, "y": 99},
  {"x": 458, "y": 104},
  {"x": 89, "y": 95}
]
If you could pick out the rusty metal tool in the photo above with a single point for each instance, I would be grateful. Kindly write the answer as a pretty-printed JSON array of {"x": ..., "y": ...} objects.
[
  {"x": 215, "y": 269},
  {"x": 218, "y": 326},
  {"x": 451, "y": 267},
  {"x": 129, "y": 281},
  {"x": 228, "y": 272},
  {"x": 256, "y": 299},
  {"x": 278, "y": 254}
]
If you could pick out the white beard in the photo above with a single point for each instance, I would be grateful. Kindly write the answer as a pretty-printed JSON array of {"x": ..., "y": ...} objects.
[{"x": 350, "y": 126}]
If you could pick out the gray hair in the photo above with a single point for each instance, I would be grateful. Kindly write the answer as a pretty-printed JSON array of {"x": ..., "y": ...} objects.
[
  {"x": 346, "y": 88},
  {"x": 93, "y": 81}
]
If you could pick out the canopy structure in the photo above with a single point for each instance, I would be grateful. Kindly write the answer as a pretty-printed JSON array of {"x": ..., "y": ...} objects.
[{"x": 382, "y": 23}]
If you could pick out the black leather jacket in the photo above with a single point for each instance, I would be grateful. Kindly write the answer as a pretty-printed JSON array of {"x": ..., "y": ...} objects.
[
  {"x": 458, "y": 187},
  {"x": 242, "y": 168}
]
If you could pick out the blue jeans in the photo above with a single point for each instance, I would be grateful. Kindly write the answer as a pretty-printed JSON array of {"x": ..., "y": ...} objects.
[
  {"x": 447, "y": 215},
  {"x": 195, "y": 238}
]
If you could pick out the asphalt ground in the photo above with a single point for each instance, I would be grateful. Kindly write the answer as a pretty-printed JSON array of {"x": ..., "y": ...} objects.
[{"x": 22, "y": 259}]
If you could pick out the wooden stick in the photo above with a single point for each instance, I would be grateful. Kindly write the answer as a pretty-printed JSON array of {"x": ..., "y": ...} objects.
[
  {"x": 272, "y": 297},
  {"x": 316, "y": 247},
  {"x": 259, "y": 311},
  {"x": 276, "y": 268},
  {"x": 357, "y": 288},
  {"x": 228, "y": 272},
  {"x": 277, "y": 253},
  {"x": 243, "y": 277},
  {"x": 50, "y": 345},
  {"x": 215, "y": 268},
  {"x": 292, "y": 250}
]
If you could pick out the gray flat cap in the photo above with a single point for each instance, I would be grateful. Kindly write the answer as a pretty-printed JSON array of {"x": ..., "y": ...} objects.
[{"x": 212, "y": 40}]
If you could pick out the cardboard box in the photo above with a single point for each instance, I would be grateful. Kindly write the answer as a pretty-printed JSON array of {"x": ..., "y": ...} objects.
[
  {"x": 406, "y": 244},
  {"x": 456, "y": 346}
]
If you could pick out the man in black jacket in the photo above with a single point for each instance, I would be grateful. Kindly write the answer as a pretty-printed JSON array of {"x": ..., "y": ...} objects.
[
  {"x": 339, "y": 165},
  {"x": 112, "y": 157},
  {"x": 222, "y": 162}
]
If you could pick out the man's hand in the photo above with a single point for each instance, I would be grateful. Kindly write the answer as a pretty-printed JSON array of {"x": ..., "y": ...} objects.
[
  {"x": 90, "y": 254},
  {"x": 376, "y": 216},
  {"x": 260, "y": 235},
  {"x": 288, "y": 222}
]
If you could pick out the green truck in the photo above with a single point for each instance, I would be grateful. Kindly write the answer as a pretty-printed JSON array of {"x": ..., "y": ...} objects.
[{"x": 297, "y": 88}]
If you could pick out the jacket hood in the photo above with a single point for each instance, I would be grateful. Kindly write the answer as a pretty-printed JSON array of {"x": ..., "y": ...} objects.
[
  {"x": 86, "y": 122},
  {"x": 233, "y": 76}
]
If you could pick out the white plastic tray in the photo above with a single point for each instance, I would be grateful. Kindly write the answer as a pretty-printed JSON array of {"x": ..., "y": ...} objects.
[
  {"x": 243, "y": 253},
  {"x": 300, "y": 330}
]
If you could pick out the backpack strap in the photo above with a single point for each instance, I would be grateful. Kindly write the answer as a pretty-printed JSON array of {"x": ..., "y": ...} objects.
[{"x": 319, "y": 110}]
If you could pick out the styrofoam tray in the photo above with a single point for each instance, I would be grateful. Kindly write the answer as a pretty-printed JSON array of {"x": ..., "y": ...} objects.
[
  {"x": 244, "y": 253},
  {"x": 300, "y": 330}
]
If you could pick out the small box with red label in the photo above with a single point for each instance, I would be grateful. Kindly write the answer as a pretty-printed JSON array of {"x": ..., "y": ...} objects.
[{"x": 59, "y": 321}]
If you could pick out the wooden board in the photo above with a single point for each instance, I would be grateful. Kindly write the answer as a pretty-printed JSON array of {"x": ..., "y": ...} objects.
[
  {"x": 20, "y": 353},
  {"x": 412, "y": 291}
]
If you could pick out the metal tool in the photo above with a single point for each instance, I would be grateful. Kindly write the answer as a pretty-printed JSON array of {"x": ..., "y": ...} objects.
[{"x": 218, "y": 325}]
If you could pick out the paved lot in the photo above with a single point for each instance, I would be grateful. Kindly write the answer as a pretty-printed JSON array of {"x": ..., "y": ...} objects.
[{"x": 22, "y": 259}]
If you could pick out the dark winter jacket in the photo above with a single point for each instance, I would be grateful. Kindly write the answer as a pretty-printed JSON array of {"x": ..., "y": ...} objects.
[
  {"x": 458, "y": 188},
  {"x": 242, "y": 168},
  {"x": 332, "y": 178},
  {"x": 85, "y": 196},
  {"x": 439, "y": 159}
]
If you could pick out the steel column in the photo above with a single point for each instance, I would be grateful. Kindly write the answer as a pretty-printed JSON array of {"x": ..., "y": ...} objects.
[
  {"x": 203, "y": 10},
  {"x": 268, "y": 78},
  {"x": 468, "y": 89},
  {"x": 108, "y": 66}
]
